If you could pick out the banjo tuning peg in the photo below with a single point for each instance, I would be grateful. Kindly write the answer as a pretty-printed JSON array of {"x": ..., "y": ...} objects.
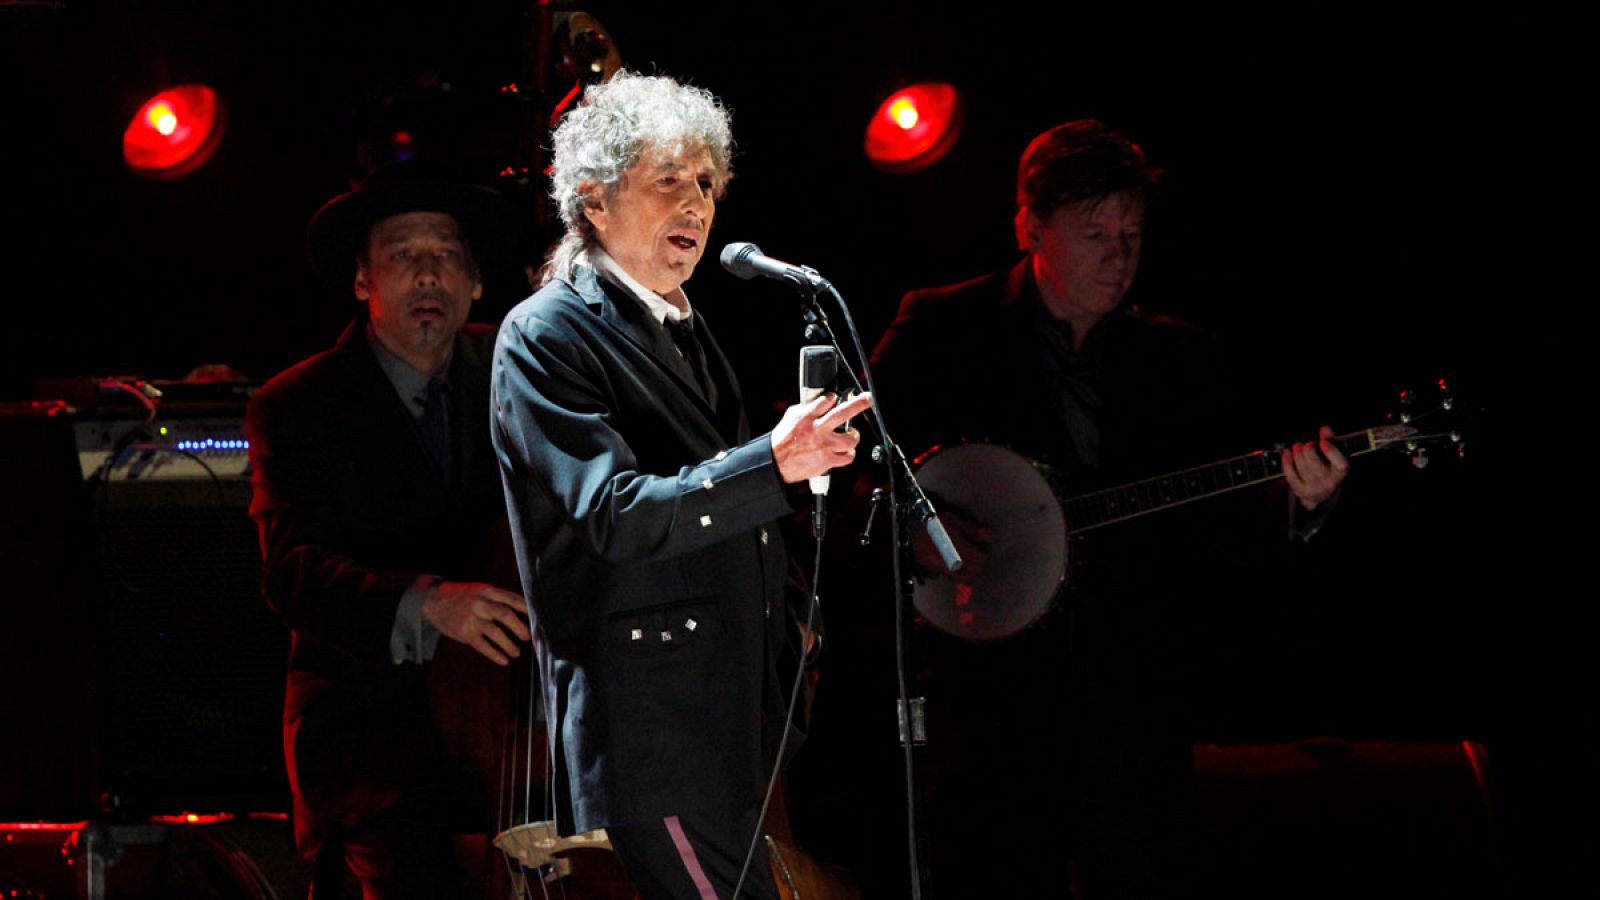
[{"x": 1407, "y": 398}]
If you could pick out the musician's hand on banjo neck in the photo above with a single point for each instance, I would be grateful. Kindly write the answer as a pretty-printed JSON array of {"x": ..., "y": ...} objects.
[
  {"x": 970, "y": 539},
  {"x": 1314, "y": 469}
]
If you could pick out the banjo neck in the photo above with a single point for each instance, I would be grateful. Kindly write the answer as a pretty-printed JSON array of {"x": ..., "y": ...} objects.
[{"x": 1097, "y": 509}]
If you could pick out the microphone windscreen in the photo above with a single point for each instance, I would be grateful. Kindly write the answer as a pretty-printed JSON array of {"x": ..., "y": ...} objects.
[{"x": 736, "y": 258}]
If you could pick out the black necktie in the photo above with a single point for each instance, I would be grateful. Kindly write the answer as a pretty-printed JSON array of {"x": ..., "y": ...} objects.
[
  {"x": 688, "y": 344},
  {"x": 435, "y": 428}
]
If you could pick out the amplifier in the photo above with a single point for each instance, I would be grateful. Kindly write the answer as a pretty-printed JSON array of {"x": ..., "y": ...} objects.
[{"x": 171, "y": 447}]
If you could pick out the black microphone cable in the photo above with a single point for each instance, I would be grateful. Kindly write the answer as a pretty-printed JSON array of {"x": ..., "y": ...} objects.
[{"x": 812, "y": 604}]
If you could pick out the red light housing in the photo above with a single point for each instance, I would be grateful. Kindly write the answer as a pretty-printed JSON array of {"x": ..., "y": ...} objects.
[
  {"x": 914, "y": 127},
  {"x": 174, "y": 132}
]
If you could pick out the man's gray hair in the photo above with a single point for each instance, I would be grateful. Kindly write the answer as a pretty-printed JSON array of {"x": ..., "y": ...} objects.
[{"x": 606, "y": 134}]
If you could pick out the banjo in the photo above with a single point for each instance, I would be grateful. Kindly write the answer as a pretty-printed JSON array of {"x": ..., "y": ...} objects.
[{"x": 1030, "y": 525}]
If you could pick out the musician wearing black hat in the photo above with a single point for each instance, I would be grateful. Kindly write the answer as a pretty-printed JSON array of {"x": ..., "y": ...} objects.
[{"x": 379, "y": 506}]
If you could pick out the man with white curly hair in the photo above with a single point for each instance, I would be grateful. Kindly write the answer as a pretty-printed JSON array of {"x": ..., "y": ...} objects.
[{"x": 642, "y": 509}]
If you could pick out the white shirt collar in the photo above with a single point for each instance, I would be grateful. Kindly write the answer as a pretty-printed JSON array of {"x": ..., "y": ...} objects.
[{"x": 661, "y": 308}]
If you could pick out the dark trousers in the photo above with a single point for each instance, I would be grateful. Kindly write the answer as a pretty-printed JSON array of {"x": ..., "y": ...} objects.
[{"x": 693, "y": 857}]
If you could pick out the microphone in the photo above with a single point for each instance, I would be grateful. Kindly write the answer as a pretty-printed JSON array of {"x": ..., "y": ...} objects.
[
  {"x": 819, "y": 364},
  {"x": 746, "y": 260}
]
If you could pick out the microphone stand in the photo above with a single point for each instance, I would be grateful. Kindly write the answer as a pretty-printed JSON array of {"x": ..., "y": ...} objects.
[
  {"x": 911, "y": 497},
  {"x": 909, "y": 505}
]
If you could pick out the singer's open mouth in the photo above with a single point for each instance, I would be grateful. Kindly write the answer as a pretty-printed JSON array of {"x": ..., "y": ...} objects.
[{"x": 683, "y": 241}]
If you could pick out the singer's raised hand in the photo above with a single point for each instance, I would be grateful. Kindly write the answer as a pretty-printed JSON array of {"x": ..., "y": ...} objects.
[{"x": 805, "y": 442}]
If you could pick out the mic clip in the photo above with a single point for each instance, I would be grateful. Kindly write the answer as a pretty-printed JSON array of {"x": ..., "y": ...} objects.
[{"x": 879, "y": 495}]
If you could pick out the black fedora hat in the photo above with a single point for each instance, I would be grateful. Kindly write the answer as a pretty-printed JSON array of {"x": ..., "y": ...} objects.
[{"x": 338, "y": 231}]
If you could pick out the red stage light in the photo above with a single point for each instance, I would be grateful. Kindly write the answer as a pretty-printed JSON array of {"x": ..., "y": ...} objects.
[
  {"x": 914, "y": 127},
  {"x": 174, "y": 131}
]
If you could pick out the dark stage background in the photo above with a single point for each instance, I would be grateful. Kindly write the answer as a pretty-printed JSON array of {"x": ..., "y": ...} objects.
[{"x": 1360, "y": 197}]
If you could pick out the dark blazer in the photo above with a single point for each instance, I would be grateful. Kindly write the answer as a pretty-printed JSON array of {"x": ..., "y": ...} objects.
[
  {"x": 965, "y": 362},
  {"x": 351, "y": 509},
  {"x": 643, "y": 520}
]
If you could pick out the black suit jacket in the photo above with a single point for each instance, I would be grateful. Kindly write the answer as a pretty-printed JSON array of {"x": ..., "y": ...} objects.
[
  {"x": 351, "y": 510},
  {"x": 643, "y": 520},
  {"x": 965, "y": 362}
]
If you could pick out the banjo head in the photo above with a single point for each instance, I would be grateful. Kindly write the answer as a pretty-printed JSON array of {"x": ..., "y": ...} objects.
[{"x": 1026, "y": 561}]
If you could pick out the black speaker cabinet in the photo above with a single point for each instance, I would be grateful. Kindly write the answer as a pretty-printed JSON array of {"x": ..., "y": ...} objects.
[
  {"x": 49, "y": 661},
  {"x": 193, "y": 660}
]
